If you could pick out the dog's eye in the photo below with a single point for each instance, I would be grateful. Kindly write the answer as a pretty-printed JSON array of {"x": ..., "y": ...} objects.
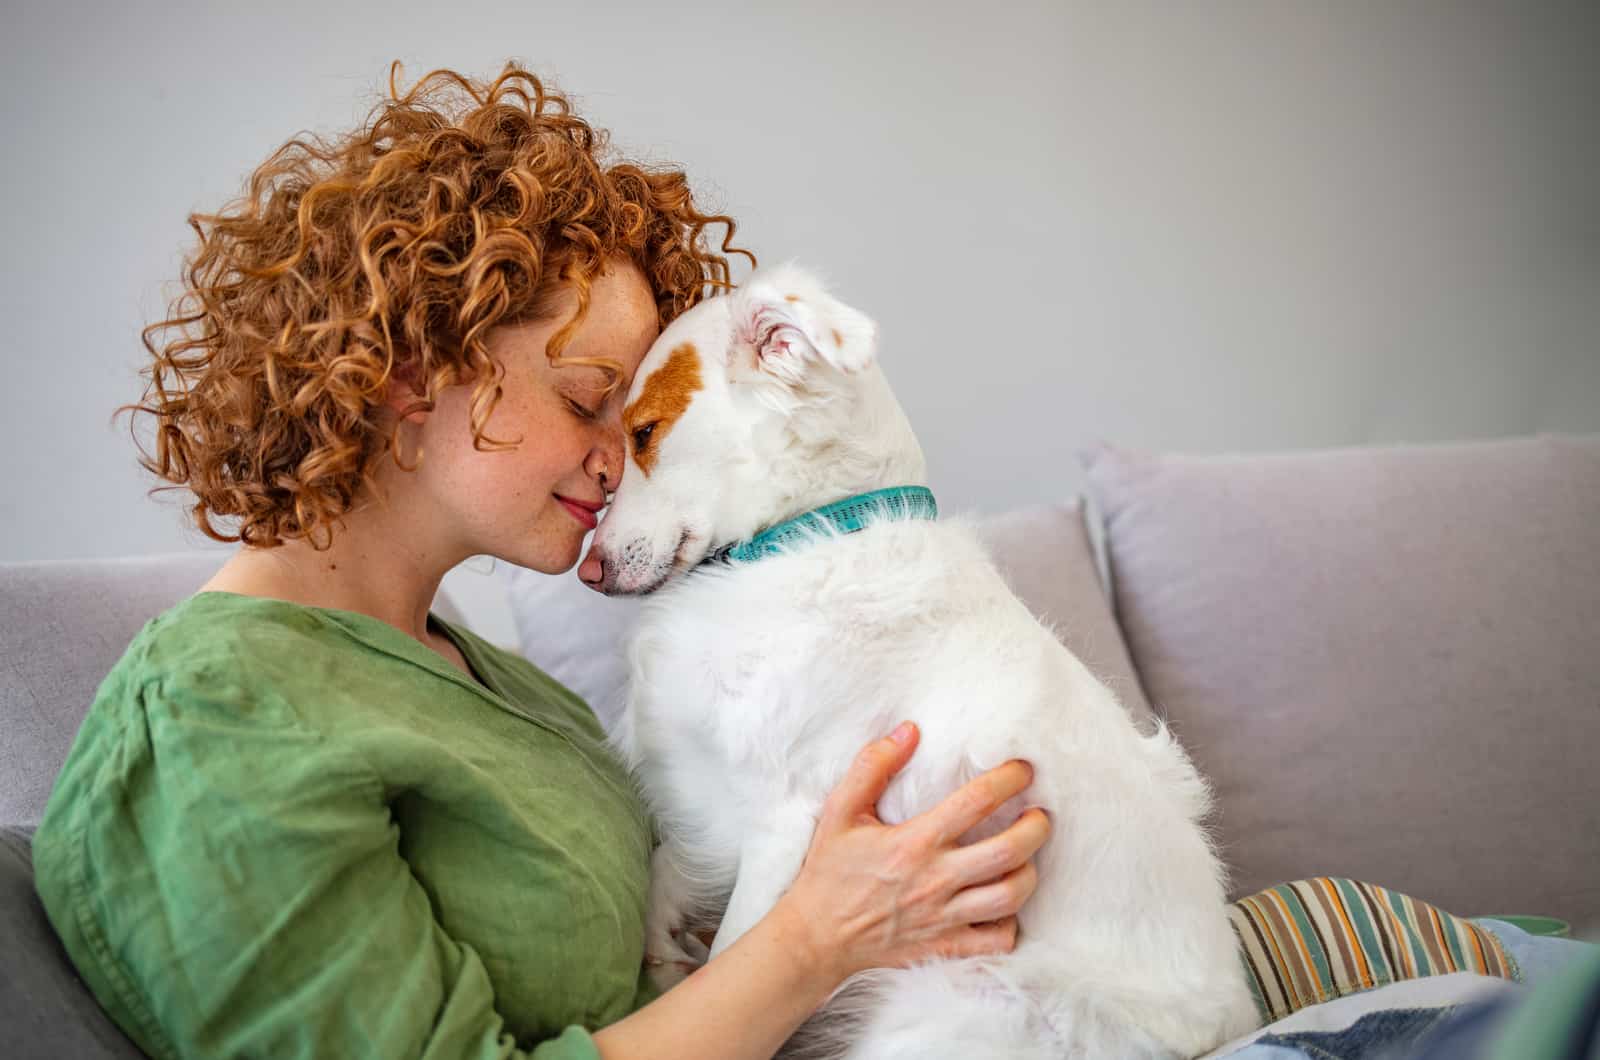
[{"x": 641, "y": 435}]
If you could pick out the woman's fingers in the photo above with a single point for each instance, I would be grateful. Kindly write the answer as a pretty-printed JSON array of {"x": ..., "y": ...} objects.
[
  {"x": 973, "y": 801},
  {"x": 994, "y": 901},
  {"x": 869, "y": 774},
  {"x": 991, "y": 858}
]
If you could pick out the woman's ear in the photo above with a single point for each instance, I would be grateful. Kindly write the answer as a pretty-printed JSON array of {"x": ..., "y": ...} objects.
[
  {"x": 794, "y": 325},
  {"x": 403, "y": 393}
]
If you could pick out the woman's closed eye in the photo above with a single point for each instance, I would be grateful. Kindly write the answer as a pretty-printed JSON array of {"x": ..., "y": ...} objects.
[{"x": 583, "y": 410}]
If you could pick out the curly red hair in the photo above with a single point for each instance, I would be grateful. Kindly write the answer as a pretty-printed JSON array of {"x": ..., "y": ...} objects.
[{"x": 392, "y": 252}]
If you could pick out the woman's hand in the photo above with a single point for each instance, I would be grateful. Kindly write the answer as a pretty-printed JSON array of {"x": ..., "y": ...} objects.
[
  {"x": 868, "y": 896},
  {"x": 874, "y": 895}
]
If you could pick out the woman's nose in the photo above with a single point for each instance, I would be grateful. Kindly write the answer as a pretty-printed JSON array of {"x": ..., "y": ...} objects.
[{"x": 605, "y": 463}]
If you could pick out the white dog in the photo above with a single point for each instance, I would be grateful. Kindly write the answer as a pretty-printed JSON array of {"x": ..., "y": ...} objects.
[{"x": 757, "y": 678}]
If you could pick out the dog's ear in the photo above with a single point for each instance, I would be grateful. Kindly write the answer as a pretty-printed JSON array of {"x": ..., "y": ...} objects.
[{"x": 791, "y": 323}]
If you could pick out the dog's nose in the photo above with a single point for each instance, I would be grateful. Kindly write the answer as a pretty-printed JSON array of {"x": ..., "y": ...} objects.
[{"x": 592, "y": 571}]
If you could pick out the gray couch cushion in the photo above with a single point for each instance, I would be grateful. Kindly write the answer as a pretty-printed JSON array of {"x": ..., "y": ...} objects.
[
  {"x": 45, "y": 1009},
  {"x": 575, "y": 634},
  {"x": 1386, "y": 660}
]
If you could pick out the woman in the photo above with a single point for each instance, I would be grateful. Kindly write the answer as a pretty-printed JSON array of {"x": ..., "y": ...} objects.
[{"x": 304, "y": 816}]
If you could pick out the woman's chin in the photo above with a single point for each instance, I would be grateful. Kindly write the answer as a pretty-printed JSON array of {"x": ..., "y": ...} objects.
[{"x": 550, "y": 555}]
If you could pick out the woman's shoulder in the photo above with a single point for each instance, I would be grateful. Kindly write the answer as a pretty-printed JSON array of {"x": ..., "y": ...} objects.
[
  {"x": 212, "y": 689},
  {"x": 210, "y": 653},
  {"x": 216, "y": 635},
  {"x": 328, "y": 670}
]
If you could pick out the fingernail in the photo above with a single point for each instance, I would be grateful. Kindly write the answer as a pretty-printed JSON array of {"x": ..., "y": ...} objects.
[{"x": 902, "y": 735}]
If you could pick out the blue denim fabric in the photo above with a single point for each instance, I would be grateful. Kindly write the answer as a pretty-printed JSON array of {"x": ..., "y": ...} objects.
[
  {"x": 1465, "y": 1036},
  {"x": 1391, "y": 1032}
]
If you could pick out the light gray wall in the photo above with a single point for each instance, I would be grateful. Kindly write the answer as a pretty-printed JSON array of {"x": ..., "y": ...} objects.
[{"x": 1195, "y": 226}]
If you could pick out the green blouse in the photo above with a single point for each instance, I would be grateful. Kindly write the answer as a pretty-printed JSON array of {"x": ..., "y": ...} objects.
[{"x": 294, "y": 831}]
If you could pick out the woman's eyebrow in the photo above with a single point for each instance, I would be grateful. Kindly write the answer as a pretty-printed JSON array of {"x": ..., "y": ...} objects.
[{"x": 582, "y": 377}]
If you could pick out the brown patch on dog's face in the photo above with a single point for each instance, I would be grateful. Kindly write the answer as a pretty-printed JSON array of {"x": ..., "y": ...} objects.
[
  {"x": 791, "y": 298},
  {"x": 838, "y": 339},
  {"x": 664, "y": 399}
]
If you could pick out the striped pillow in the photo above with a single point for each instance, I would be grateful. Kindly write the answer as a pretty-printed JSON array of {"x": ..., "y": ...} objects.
[{"x": 1314, "y": 940}]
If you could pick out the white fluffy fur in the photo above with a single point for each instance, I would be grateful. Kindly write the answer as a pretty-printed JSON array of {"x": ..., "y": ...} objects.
[{"x": 754, "y": 686}]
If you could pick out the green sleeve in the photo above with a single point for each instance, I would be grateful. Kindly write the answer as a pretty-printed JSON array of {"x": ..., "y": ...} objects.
[{"x": 229, "y": 883}]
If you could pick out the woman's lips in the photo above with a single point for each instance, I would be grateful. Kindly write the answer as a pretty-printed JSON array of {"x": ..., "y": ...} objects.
[{"x": 580, "y": 513}]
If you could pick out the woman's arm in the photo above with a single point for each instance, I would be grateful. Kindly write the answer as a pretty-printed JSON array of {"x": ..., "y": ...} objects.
[
  {"x": 743, "y": 1004},
  {"x": 869, "y": 895}
]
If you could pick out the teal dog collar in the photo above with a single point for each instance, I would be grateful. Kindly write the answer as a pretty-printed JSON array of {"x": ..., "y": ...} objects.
[{"x": 844, "y": 517}]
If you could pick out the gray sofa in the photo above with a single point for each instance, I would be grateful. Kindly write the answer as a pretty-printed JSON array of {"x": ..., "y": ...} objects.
[{"x": 1387, "y": 660}]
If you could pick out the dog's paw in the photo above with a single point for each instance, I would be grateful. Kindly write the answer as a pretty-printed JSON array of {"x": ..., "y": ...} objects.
[
  {"x": 697, "y": 944},
  {"x": 674, "y": 958},
  {"x": 671, "y": 949}
]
